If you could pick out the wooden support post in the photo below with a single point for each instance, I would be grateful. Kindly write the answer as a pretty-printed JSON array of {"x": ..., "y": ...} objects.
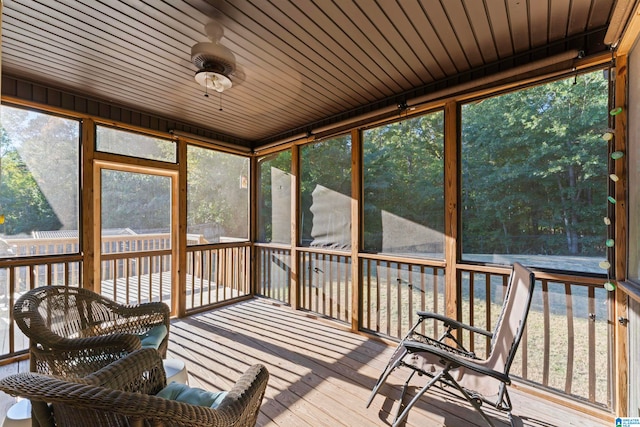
[
  {"x": 179, "y": 267},
  {"x": 90, "y": 209},
  {"x": 451, "y": 174},
  {"x": 356, "y": 226},
  {"x": 295, "y": 229},
  {"x": 621, "y": 363}
]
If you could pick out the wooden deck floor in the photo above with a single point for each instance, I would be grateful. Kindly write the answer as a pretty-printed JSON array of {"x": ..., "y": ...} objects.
[{"x": 321, "y": 374}]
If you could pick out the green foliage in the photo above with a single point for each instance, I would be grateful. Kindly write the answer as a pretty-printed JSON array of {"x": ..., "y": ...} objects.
[
  {"x": 279, "y": 161},
  {"x": 404, "y": 175},
  {"x": 534, "y": 169},
  {"x": 38, "y": 172},
  {"x": 327, "y": 164},
  {"x": 217, "y": 197}
]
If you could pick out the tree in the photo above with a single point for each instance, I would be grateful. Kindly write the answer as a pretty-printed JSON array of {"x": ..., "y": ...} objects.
[{"x": 534, "y": 169}]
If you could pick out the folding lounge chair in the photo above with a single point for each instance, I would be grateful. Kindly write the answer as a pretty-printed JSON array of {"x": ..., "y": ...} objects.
[{"x": 448, "y": 365}]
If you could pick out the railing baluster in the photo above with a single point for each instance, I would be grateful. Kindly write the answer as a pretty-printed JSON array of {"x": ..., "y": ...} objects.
[
  {"x": 410, "y": 291},
  {"x": 546, "y": 329},
  {"x": 399, "y": 300},
  {"x": 591, "y": 303},
  {"x": 570, "y": 338},
  {"x": 487, "y": 315},
  {"x": 378, "y": 291},
  {"x": 367, "y": 308}
]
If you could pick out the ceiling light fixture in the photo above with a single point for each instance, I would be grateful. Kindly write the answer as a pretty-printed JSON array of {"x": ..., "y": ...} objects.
[{"x": 215, "y": 62}]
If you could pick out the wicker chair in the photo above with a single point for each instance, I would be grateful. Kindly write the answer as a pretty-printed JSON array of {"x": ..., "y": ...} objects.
[
  {"x": 74, "y": 332},
  {"x": 123, "y": 394}
]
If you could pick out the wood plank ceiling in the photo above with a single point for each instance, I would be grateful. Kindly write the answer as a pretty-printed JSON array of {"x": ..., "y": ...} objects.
[{"x": 302, "y": 63}]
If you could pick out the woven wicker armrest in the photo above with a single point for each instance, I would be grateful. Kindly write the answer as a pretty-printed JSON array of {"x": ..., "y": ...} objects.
[
  {"x": 82, "y": 356},
  {"x": 453, "y": 323},
  {"x": 456, "y": 359},
  {"x": 74, "y": 400},
  {"x": 149, "y": 313},
  {"x": 141, "y": 371},
  {"x": 117, "y": 341}
]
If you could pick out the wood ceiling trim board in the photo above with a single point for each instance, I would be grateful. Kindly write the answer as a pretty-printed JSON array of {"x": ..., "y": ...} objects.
[
  {"x": 334, "y": 40},
  {"x": 311, "y": 34},
  {"x": 136, "y": 70},
  {"x": 500, "y": 27},
  {"x": 477, "y": 15},
  {"x": 117, "y": 17},
  {"x": 519, "y": 21},
  {"x": 70, "y": 34},
  {"x": 21, "y": 90},
  {"x": 442, "y": 26},
  {"x": 272, "y": 36},
  {"x": 390, "y": 20},
  {"x": 286, "y": 86},
  {"x": 578, "y": 16},
  {"x": 601, "y": 12},
  {"x": 457, "y": 15},
  {"x": 441, "y": 65},
  {"x": 310, "y": 74},
  {"x": 432, "y": 70},
  {"x": 92, "y": 64},
  {"x": 107, "y": 88},
  {"x": 421, "y": 58},
  {"x": 381, "y": 51},
  {"x": 558, "y": 19},
  {"x": 539, "y": 22},
  {"x": 185, "y": 21},
  {"x": 356, "y": 44},
  {"x": 67, "y": 82},
  {"x": 249, "y": 57}
]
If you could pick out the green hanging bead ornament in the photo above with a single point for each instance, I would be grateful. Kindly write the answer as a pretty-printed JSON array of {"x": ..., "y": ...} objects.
[
  {"x": 610, "y": 243},
  {"x": 616, "y": 111},
  {"x": 610, "y": 286},
  {"x": 611, "y": 199},
  {"x": 617, "y": 155}
]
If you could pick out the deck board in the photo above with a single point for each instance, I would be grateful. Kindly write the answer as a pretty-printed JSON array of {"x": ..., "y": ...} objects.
[{"x": 320, "y": 373}]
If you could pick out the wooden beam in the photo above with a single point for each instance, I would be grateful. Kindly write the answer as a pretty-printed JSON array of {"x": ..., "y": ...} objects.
[
  {"x": 631, "y": 32},
  {"x": 356, "y": 225},
  {"x": 295, "y": 229},
  {"x": 620, "y": 329},
  {"x": 254, "y": 194},
  {"x": 90, "y": 225},
  {"x": 179, "y": 199},
  {"x": 451, "y": 174}
]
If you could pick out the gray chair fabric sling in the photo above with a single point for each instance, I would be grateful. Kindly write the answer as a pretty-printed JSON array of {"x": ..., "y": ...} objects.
[{"x": 450, "y": 366}]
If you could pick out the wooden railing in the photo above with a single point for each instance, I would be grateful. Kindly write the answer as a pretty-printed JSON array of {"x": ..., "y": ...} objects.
[
  {"x": 393, "y": 291},
  {"x": 136, "y": 277},
  {"x": 566, "y": 343},
  {"x": 274, "y": 272},
  {"x": 217, "y": 273},
  {"x": 325, "y": 283},
  {"x": 564, "y": 348},
  {"x": 22, "y": 274}
]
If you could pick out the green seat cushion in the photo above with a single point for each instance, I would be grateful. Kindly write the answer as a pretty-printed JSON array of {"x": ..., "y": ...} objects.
[
  {"x": 153, "y": 337},
  {"x": 192, "y": 395}
]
